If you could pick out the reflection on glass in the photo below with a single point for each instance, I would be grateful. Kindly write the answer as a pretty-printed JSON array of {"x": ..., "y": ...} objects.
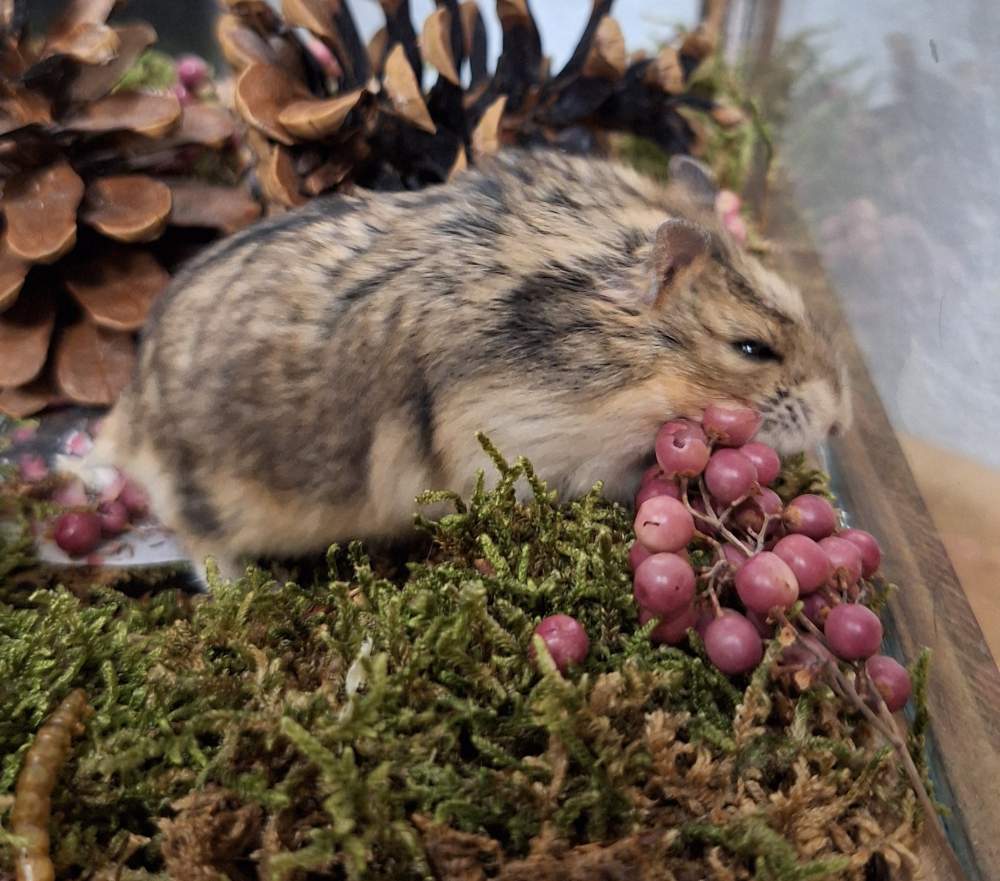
[{"x": 887, "y": 125}]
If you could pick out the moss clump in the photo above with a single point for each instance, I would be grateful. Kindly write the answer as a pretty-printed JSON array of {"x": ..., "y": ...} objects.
[
  {"x": 361, "y": 727},
  {"x": 153, "y": 71}
]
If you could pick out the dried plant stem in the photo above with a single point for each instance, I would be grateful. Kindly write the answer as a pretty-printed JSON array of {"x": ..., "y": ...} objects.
[
  {"x": 32, "y": 799},
  {"x": 883, "y": 723},
  {"x": 715, "y": 520},
  {"x": 762, "y": 535}
]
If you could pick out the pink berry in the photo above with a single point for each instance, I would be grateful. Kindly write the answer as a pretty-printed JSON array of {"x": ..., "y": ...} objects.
[
  {"x": 732, "y": 426},
  {"x": 664, "y": 584},
  {"x": 727, "y": 202},
  {"x": 32, "y": 468},
  {"x": 134, "y": 497},
  {"x": 734, "y": 556},
  {"x": 658, "y": 486},
  {"x": 192, "y": 71},
  {"x": 729, "y": 476},
  {"x": 323, "y": 55},
  {"x": 565, "y": 639},
  {"x": 764, "y": 582},
  {"x": 765, "y": 460},
  {"x": 182, "y": 94},
  {"x": 663, "y": 524},
  {"x": 733, "y": 644},
  {"x": 809, "y": 562},
  {"x": 651, "y": 473},
  {"x": 736, "y": 226},
  {"x": 704, "y": 616},
  {"x": 114, "y": 517},
  {"x": 810, "y": 515},
  {"x": 71, "y": 494},
  {"x": 681, "y": 449},
  {"x": 671, "y": 630},
  {"x": 23, "y": 433},
  {"x": 815, "y": 608},
  {"x": 750, "y": 515},
  {"x": 844, "y": 556},
  {"x": 891, "y": 680},
  {"x": 871, "y": 553},
  {"x": 853, "y": 631},
  {"x": 636, "y": 554},
  {"x": 78, "y": 532},
  {"x": 682, "y": 426},
  {"x": 78, "y": 443}
]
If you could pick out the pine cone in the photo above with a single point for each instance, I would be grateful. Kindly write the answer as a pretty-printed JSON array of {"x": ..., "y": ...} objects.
[
  {"x": 104, "y": 190},
  {"x": 322, "y": 120}
]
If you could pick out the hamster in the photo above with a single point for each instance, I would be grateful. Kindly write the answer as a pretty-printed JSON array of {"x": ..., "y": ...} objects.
[{"x": 301, "y": 382}]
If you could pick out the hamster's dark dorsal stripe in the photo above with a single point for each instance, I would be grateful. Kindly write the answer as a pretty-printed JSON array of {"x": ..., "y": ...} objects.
[
  {"x": 196, "y": 509},
  {"x": 560, "y": 197},
  {"x": 544, "y": 327},
  {"x": 741, "y": 289},
  {"x": 422, "y": 404}
]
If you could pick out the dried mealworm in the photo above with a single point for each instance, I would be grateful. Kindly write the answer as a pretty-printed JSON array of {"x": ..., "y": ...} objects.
[{"x": 29, "y": 818}]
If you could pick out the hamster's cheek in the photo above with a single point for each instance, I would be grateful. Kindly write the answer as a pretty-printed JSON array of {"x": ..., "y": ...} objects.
[{"x": 802, "y": 417}]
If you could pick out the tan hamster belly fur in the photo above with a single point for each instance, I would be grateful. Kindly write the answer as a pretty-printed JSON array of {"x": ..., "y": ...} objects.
[{"x": 301, "y": 382}]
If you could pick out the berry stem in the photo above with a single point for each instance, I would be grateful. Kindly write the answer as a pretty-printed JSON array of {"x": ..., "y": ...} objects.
[
  {"x": 712, "y": 518},
  {"x": 710, "y": 578},
  {"x": 762, "y": 535},
  {"x": 884, "y": 724}
]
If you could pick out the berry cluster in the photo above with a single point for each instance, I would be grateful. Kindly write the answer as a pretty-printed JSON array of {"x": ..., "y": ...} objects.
[
  {"x": 91, "y": 513},
  {"x": 718, "y": 551}
]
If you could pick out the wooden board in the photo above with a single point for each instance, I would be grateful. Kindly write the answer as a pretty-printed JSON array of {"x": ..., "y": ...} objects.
[{"x": 876, "y": 487}]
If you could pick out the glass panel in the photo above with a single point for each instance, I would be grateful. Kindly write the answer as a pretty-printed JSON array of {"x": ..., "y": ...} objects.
[{"x": 886, "y": 122}]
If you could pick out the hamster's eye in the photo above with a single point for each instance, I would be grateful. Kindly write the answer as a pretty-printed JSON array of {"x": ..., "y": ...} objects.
[{"x": 756, "y": 350}]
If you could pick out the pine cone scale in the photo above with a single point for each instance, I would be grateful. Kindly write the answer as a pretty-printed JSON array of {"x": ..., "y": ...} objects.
[
  {"x": 83, "y": 112},
  {"x": 261, "y": 91},
  {"x": 93, "y": 81},
  {"x": 25, "y": 331},
  {"x": 195, "y": 203},
  {"x": 128, "y": 207},
  {"x": 40, "y": 207},
  {"x": 13, "y": 271},
  {"x": 316, "y": 118},
  {"x": 150, "y": 115},
  {"x": 117, "y": 290},
  {"x": 93, "y": 364}
]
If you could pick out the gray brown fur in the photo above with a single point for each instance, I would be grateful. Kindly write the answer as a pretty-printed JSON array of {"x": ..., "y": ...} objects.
[{"x": 304, "y": 380}]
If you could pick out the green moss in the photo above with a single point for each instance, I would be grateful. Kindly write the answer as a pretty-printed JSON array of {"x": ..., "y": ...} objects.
[
  {"x": 337, "y": 711},
  {"x": 773, "y": 858},
  {"x": 731, "y": 152},
  {"x": 153, "y": 71},
  {"x": 798, "y": 477}
]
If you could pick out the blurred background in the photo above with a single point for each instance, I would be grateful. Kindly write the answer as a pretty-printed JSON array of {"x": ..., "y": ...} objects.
[
  {"x": 887, "y": 122},
  {"x": 886, "y": 119}
]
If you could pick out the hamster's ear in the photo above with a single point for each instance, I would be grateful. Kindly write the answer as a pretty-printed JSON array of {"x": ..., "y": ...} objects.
[
  {"x": 696, "y": 178},
  {"x": 680, "y": 250}
]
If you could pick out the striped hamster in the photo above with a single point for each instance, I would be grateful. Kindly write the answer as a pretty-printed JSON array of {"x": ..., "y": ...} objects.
[{"x": 301, "y": 382}]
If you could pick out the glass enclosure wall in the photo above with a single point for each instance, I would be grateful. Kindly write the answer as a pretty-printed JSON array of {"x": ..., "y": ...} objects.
[{"x": 887, "y": 121}]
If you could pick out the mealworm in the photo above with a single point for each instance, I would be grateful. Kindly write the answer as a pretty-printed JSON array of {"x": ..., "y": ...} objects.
[{"x": 29, "y": 818}]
